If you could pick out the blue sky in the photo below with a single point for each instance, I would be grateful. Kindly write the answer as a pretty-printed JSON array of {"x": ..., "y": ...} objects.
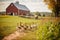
[{"x": 33, "y": 5}]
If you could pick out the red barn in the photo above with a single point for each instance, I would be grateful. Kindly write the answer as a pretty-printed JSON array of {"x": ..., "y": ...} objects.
[{"x": 17, "y": 9}]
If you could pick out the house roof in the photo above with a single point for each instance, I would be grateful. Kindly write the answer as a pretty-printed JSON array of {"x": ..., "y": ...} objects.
[{"x": 20, "y": 6}]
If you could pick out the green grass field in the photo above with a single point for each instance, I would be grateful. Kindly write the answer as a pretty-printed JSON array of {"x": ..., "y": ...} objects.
[{"x": 8, "y": 25}]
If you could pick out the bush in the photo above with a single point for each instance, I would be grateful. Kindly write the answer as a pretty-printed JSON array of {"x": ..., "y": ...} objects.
[
  {"x": 49, "y": 31},
  {"x": 43, "y": 15}
]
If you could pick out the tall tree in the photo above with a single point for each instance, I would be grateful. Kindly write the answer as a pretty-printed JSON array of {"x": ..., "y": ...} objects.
[{"x": 53, "y": 5}]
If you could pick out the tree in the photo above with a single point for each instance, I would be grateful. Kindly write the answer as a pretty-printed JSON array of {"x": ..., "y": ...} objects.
[
  {"x": 38, "y": 13},
  {"x": 43, "y": 15},
  {"x": 54, "y": 6}
]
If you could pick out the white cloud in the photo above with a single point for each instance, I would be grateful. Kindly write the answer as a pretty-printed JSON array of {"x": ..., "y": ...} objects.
[
  {"x": 33, "y": 5},
  {"x": 36, "y": 6},
  {"x": 5, "y": 0}
]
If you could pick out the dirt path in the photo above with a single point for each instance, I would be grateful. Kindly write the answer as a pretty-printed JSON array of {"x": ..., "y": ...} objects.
[
  {"x": 18, "y": 33},
  {"x": 14, "y": 35}
]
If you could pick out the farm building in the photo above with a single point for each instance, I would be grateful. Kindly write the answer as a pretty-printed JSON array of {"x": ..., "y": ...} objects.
[{"x": 17, "y": 9}]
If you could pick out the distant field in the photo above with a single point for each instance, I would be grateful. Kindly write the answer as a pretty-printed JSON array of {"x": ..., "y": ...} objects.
[{"x": 8, "y": 25}]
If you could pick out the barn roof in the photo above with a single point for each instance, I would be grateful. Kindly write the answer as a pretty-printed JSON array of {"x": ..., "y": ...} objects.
[{"x": 20, "y": 6}]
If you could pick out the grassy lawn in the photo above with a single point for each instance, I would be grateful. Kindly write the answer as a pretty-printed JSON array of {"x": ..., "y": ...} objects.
[{"x": 8, "y": 25}]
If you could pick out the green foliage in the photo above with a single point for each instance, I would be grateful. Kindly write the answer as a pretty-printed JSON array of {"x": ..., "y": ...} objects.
[{"x": 49, "y": 31}]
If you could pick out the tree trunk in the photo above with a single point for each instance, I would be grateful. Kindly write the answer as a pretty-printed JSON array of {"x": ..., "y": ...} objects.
[{"x": 56, "y": 10}]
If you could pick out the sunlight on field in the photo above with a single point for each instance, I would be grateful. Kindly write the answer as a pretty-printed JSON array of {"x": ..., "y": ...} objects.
[{"x": 8, "y": 25}]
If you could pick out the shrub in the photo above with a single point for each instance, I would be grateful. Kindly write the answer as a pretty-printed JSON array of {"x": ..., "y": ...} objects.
[{"x": 49, "y": 31}]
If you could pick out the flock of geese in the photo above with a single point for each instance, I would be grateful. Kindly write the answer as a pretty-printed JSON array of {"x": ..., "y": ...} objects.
[{"x": 24, "y": 26}]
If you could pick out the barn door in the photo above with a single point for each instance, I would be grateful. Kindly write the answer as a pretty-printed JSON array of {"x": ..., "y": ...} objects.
[{"x": 12, "y": 13}]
